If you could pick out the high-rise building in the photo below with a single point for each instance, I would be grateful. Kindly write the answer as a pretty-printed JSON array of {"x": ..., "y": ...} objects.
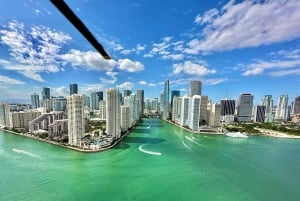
[
  {"x": 268, "y": 103},
  {"x": 73, "y": 89},
  {"x": 87, "y": 101},
  {"x": 203, "y": 110},
  {"x": 184, "y": 116},
  {"x": 244, "y": 108},
  {"x": 282, "y": 108},
  {"x": 46, "y": 93},
  {"x": 127, "y": 92},
  {"x": 227, "y": 110},
  {"x": 296, "y": 106},
  {"x": 22, "y": 119},
  {"x": 113, "y": 113},
  {"x": 96, "y": 97},
  {"x": 194, "y": 112},
  {"x": 35, "y": 101},
  {"x": 174, "y": 93},
  {"x": 154, "y": 104},
  {"x": 162, "y": 102},
  {"x": 4, "y": 114},
  {"x": 76, "y": 123},
  {"x": 140, "y": 101},
  {"x": 214, "y": 115},
  {"x": 59, "y": 103},
  {"x": 176, "y": 109},
  {"x": 166, "y": 100},
  {"x": 259, "y": 112},
  {"x": 195, "y": 88},
  {"x": 125, "y": 118}
]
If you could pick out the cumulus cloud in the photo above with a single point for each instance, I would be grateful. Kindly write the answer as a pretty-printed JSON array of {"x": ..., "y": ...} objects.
[
  {"x": 191, "y": 68},
  {"x": 126, "y": 85},
  {"x": 34, "y": 49},
  {"x": 247, "y": 24},
  {"x": 130, "y": 66},
  {"x": 143, "y": 83},
  {"x": 91, "y": 60},
  {"x": 60, "y": 91}
]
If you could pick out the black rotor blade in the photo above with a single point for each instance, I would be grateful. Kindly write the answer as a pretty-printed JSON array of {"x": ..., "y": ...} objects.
[{"x": 68, "y": 13}]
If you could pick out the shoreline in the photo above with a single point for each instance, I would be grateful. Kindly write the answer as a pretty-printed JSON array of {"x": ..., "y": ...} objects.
[
  {"x": 277, "y": 134},
  {"x": 68, "y": 146}
]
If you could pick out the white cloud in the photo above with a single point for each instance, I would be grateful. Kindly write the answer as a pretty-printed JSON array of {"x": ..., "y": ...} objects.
[
  {"x": 130, "y": 66},
  {"x": 126, "y": 52},
  {"x": 152, "y": 85},
  {"x": 214, "y": 81},
  {"x": 191, "y": 68},
  {"x": 111, "y": 80},
  {"x": 140, "y": 47},
  {"x": 247, "y": 24},
  {"x": 60, "y": 91},
  {"x": 91, "y": 60},
  {"x": 174, "y": 57},
  {"x": 286, "y": 72},
  {"x": 8, "y": 80},
  {"x": 143, "y": 83},
  {"x": 126, "y": 85},
  {"x": 34, "y": 49}
]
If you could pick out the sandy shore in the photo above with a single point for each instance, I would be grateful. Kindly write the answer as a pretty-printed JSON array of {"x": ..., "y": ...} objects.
[{"x": 273, "y": 133}]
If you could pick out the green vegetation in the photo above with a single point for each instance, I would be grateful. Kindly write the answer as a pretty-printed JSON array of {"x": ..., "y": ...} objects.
[
  {"x": 243, "y": 128},
  {"x": 290, "y": 128}
]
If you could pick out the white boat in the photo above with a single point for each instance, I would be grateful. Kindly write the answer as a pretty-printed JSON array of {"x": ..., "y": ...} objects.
[
  {"x": 236, "y": 134},
  {"x": 148, "y": 127}
]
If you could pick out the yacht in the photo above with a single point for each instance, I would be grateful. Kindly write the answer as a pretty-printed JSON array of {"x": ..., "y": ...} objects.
[{"x": 236, "y": 134}]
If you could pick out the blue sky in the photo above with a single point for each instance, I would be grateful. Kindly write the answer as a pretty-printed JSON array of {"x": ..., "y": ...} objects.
[{"x": 233, "y": 47}]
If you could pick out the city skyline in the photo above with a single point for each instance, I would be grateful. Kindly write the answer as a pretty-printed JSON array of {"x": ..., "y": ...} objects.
[{"x": 255, "y": 54}]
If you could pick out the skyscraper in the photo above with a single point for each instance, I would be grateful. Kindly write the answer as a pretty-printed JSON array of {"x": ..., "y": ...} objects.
[
  {"x": 259, "y": 112},
  {"x": 244, "y": 108},
  {"x": 75, "y": 119},
  {"x": 174, "y": 93},
  {"x": 214, "y": 115},
  {"x": 125, "y": 117},
  {"x": 268, "y": 103},
  {"x": 296, "y": 106},
  {"x": 35, "y": 101},
  {"x": 96, "y": 97},
  {"x": 194, "y": 112},
  {"x": 227, "y": 110},
  {"x": 282, "y": 108},
  {"x": 203, "y": 109},
  {"x": 176, "y": 109},
  {"x": 127, "y": 92},
  {"x": 195, "y": 88},
  {"x": 4, "y": 114},
  {"x": 113, "y": 113},
  {"x": 166, "y": 100},
  {"x": 73, "y": 89},
  {"x": 184, "y": 116},
  {"x": 46, "y": 93},
  {"x": 140, "y": 101}
]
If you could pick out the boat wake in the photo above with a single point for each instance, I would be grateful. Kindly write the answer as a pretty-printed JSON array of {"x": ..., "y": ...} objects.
[
  {"x": 148, "y": 127},
  {"x": 147, "y": 151},
  {"x": 186, "y": 146},
  {"x": 192, "y": 139},
  {"x": 20, "y": 151}
]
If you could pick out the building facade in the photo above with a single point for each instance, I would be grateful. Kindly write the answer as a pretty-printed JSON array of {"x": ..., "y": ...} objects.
[
  {"x": 73, "y": 89},
  {"x": 35, "y": 101},
  {"x": 195, "y": 88},
  {"x": 244, "y": 108},
  {"x": 113, "y": 128}
]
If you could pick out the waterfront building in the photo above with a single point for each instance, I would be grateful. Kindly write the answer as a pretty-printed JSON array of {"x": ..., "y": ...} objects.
[
  {"x": 73, "y": 89},
  {"x": 35, "y": 101},
  {"x": 76, "y": 123},
  {"x": 125, "y": 118},
  {"x": 166, "y": 100},
  {"x": 214, "y": 114},
  {"x": 59, "y": 103},
  {"x": 162, "y": 102},
  {"x": 4, "y": 114},
  {"x": 268, "y": 103},
  {"x": 259, "y": 112},
  {"x": 227, "y": 111},
  {"x": 96, "y": 97},
  {"x": 184, "y": 116},
  {"x": 194, "y": 112},
  {"x": 195, "y": 88},
  {"x": 58, "y": 128},
  {"x": 102, "y": 112},
  {"x": 43, "y": 121},
  {"x": 203, "y": 110},
  {"x": 173, "y": 94},
  {"x": 46, "y": 93},
  {"x": 176, "y": 109},
  {"x": 140, "y": 101},
  {"x": 282, "y": 109},
  {"x": 113, "y": 128},
  {"x": 244, "y": 108},
  {"x": 20, "y": 120}
]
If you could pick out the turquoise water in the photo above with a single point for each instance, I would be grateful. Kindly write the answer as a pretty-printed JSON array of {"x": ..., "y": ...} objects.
[{"x": 190, "y": 167}]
